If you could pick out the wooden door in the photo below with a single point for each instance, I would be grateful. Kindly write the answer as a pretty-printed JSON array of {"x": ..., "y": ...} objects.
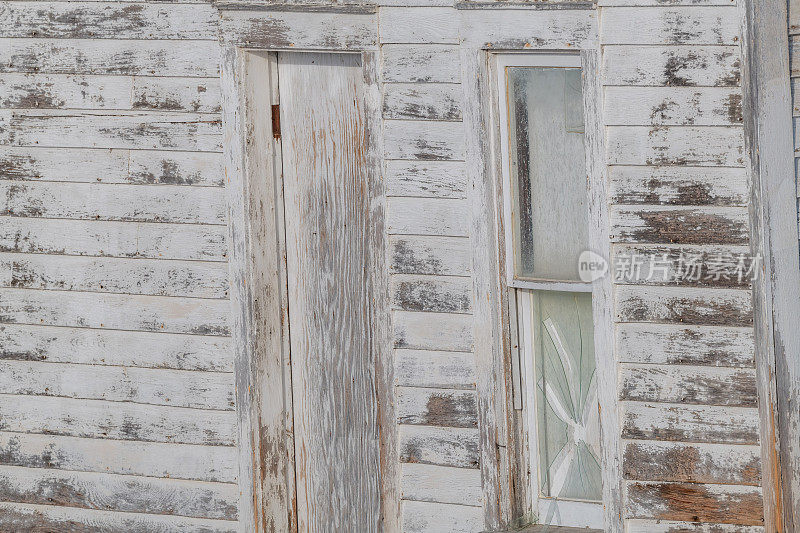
[{"x": 327, "y": 256}]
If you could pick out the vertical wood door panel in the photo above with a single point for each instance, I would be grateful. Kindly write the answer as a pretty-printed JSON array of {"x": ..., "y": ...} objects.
[{"x": 327, "y": 241}]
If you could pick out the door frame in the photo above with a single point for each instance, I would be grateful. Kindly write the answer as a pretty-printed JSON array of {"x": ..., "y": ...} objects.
[{"x": 266, "y": 447}]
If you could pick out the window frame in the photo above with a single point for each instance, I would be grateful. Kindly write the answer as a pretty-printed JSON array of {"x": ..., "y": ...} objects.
[
  {"x": 561, "y": 510},
  {"x": 554, "y": 59}
]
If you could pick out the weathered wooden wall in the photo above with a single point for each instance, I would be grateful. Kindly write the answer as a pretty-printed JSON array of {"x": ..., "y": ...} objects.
[
  {"x": 116, "y": 383},
  {"x": 116, "y": 379},
  {"x": 677, "y": 169}
]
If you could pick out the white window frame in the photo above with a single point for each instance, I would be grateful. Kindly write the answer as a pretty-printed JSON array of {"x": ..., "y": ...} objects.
[{"x": 549, "y": 510}]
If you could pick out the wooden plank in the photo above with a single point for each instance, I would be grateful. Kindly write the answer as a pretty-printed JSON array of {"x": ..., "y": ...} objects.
[
  {"x": 689, "y": 385},
  {"x": 130, "y": 494},
  {"x": 115, "y": 311},
  {"x": 64, "y": 91},
  {"x": 675, "y": 145},
  {"x": 23, "y": 517},
  {"x": 432, "y": 368},
  {"x": 429, "y": 101},
  {"x": 702, "y": 307},
  {"x": 674, "y": 526},
  {"x": 437, "y": 179},
  {"x": 120, "y": 202},
  {"x": 712, "y": 66},
  {"x": 423, "y": 140},
  {"x": 670, "y": 25},
  {"x": 116, "y": 56},
  {"x": 151, "y": 459},
  {"x": 89, "y": 165},
  {"x": 300, "y": 30},
  {"x": 115, "y": 275},
  {"x": 457, "y": 447},
  {"x": 113, "y": 239},
  {"x": 436, "y": 407},
  {"x": 427, "y": 216},
  {"x": 158, "y": 130},
  {"x": 442, "y": 484},
  {"x": 694, "y": 266},
  {"x": 666, "y": 3},
  {"x": 726, "y": 504},
  {"x": 425, "y": 517},
  {"x": 176, "y": 94},
  {"x": 680, "y": 225},
  {"x": 685, "y": 345},
  {"x": 420, "y": 63},
  {"x": 514, "y": 29},
  {"x": 181, "y": 388},
  {"x": 116, "y": 420},
  {"x": 115, "y": 348},
  {"x": 690, "y": 423},
  {"x": 682, "y": 106},
  {"x": 107, "y": 20},
  {"x": 411, "y": 292},
  {"x": 432, "y": 331},
  {"x": 794, "y": 56},
  {"x": 328, "y": 224},
  {"x": 418, "y": 254},
  {"x": 418, "y": 25},
  {"x": 678, "y": 185},
  {"x": 693, "y": 462}
]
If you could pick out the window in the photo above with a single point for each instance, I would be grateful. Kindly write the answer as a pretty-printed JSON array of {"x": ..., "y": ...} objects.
[{"x": 547, "y": 226}]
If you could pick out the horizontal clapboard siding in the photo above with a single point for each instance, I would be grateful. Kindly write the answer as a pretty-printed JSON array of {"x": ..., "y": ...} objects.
[{"x": 117, "y": 371}]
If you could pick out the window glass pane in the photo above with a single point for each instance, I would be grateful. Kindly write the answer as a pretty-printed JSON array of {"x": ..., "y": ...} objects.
[
  {"x": 548, "y": 171},
  {"x": 567, "y": 416}
]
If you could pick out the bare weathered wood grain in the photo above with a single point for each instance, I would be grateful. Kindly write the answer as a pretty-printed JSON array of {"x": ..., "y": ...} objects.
[
  {"x": 695, "y": 502},
  {"x": 112, "y": 129},
  {"x": 115, "y": 311},
  {"x": 40, "y": 518},
  {"x": 690, "y": 423},
  {"x": 107, "y": 20},
  {"x": 434, "y": 368},
  {"x": 679, "y": 305},
  {"x": 675, "y": 145},
  {"x": 89, "y": 165},
  {"x": 199, "y": 95},
  {"x": 456, "y": 447},
  {"x": 150, "y": 459},
  {"x": 127, "y": 276},
  {"x": 684, "y": 344},
  {"x": 692, "y": 462},
  {"x": 423, "y": 140},
  {"x": 678, "y": 106},
  {"x": 442, "y": 484},
  {"x": 674, "y": 526},
  {"x": 711, "y": 66},
  {"x": 125, "y": 421},
  {"x": 428, "y": 517},
  {"x": 439, "y": 179},
  {"x": 418, "y": 25},
  {"x": 678, "y": 185},
  {"x": 436, "y": 407},
  {"x": 181, "y": 388},
  {"x": 54, "y": 91},
  {"x": 418, "y": 254},
  {"x": 670, "y": 25},
  {"x": 116, "y": 56},
  {"x": 688, "y": 385},
  {"x": 432, "y": 331},
  {"x": 115, "y": 348},
  {"x": 113, "y": 239},
  {"x": 130, "y": 494},
  {"x": 680, "y": 225},
  {"x": 421, "y": 63},
  {"x": 429, "y": 293},
  {"x": 427, "y": 216},
  {"x": 429, "y": 101}
]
